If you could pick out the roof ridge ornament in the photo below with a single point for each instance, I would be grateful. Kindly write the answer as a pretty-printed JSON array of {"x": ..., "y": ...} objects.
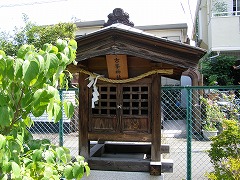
[{"x": 118, "y": 16}]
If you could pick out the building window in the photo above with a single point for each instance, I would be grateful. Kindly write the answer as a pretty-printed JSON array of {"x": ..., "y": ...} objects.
[{"x": 236, "y": 7}]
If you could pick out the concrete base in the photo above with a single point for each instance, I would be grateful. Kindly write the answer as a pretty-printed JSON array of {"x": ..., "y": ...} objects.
[{"x": 117, "y": 175}]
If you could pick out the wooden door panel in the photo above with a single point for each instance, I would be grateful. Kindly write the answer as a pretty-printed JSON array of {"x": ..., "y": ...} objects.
[
  {"x": 135, "y": 125},
  {"x": 104, "y": 124},
  {"x": 122, "y": 108},
  {"x": 136, "y": 107}
]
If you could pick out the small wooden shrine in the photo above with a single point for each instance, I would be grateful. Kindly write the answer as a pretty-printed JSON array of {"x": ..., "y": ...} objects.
[{"x": 120, "y": 71}]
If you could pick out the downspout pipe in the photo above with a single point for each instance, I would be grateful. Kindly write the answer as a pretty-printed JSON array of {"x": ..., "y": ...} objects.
[{"x": 218, "y": 53}]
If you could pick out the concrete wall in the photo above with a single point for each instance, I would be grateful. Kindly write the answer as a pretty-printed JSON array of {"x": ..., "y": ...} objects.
[{"x": 203, "y": 24}]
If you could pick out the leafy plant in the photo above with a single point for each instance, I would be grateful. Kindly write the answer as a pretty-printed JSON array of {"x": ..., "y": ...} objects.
[
  {"x": 35, "y": 35},
  {"x": 225, "y": 152},
  {"x": 28, "y": 84},
  {"x": 219, "y": 70},
  {"x": 212, "y": 114}
]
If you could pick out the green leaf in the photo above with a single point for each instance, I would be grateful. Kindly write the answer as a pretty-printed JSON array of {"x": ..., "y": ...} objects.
[
  {"x": 87, "y": 169},
  {"x": 6, "y": 115},
  {"x": 41, "y": 63},
  {"x": 2, "y": 54},
  {"x": 51, "y": 63},
  {"x": 56, "y": 75},
  {"x": 48, "y": 172},
  {"x": 68, "y": 108},
  {"x": 78, "y": 171},
  {"x": 61, "y": 44},
  {"x": 2, "y": 141},
  {"x": 38, "y": 111},
  {"x": 34, "y": 144},
  {"x": 27, "y": 99},
  {"x": 54, "y": 50},
  {"x": 41, "y": 100},
  {"x": 10, "y": 67},
  {"x": 3, "y": 99},
  {"x": 18, "y": 68},
  {"x": 68, "y": 172},
  {"x": 50, "y": 109},
  {"x": 73, "y": 44},
  {"x": 5, "y": 177},
  {"x": 47, "y": 47},
  {"x": 61, "y": 154},
  {"x": 57, "y": 112},
  {"x": 30, "y": 72},
  {"x": 15, "y": 170},
  {"x": 80, "y": 158},
  {"x": 16, "y": 148},
  {"x": 28, "y": 121},
  {"x": 62, "y": 80},
  {"x": 49, "y": 156},
  {"x": 37, "y": 155},
  {"x": 23, "y": 50},
  {"x": 63, "y": 59},
  {"x": 2, "y": 69},
  {"x": 71, "y": 56},
  {"x": 7, "y": 167}
]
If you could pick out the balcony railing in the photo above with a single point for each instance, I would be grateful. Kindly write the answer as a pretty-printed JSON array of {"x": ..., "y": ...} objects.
[{"x": 224, "y": 14}]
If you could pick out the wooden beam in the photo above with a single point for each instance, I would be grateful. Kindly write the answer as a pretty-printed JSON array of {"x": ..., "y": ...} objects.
[
  {"x": 97, "y": 150},
  {"x": 165, "y": 148},
  {"x": 119, "y": 164},
  {"x": 167, "y": 165},
  {"x": 139, "y": 137},
  {"x": 155, "y": 168},
  {"x": 156, "y": 119},
  {"x": 84, "y": 144},
  {"x": 131, "y": 165}
]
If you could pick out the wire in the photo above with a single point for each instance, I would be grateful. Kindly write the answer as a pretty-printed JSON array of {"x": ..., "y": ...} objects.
[
  {"x": 190, "y": 12},
  {"x": 29, "y": 4}
]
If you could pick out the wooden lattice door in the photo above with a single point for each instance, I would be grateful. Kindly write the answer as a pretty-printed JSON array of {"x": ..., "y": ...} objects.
[{"x": 122, "y": 108}]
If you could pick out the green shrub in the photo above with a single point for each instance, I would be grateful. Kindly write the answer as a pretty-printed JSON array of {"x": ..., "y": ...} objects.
[
  {"x": 225, "y": 153},
  {"x": 28, "y": 85}
]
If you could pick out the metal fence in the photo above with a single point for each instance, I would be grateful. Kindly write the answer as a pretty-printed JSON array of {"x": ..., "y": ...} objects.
[
  {"x": 63, "y": 133},
  {"x": 182, "y": 126},
  {"x": 182, "y": 122}
]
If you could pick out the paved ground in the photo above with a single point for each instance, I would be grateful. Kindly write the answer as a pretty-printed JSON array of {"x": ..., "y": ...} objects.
[
  {"x": 174, "y": 134},
  {"x": 116, "y": 175}
]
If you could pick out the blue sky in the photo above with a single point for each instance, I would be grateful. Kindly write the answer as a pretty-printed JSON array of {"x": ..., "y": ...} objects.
[{"x": 141, "y": 12}]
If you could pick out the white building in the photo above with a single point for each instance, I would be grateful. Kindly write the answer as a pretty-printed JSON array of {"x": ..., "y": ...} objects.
[{"x": 217, "y": 27}]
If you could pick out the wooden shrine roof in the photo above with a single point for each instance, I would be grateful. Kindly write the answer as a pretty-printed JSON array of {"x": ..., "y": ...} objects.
[{"x": 122, "y": 39}]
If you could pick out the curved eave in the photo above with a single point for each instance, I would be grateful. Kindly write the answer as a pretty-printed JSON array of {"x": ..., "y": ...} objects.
[{"x": 114, "y": 40}]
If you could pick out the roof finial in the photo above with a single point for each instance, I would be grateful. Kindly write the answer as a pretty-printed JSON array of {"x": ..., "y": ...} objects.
[{"x": 118, "y": 16}]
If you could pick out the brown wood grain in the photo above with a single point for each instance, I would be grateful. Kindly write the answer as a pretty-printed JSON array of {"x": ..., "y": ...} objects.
[
  {"x": 136, "y": 137},
  {"x": 83, "y": 116},
  {"x": 156, "y": 118}
]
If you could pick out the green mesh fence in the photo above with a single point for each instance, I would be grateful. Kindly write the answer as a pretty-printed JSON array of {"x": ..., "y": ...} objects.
[
  {"x": 182, "y": 121},
  {"x": 65, "y": 132}
]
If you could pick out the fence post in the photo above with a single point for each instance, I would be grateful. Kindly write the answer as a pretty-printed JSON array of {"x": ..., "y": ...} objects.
[
  {"x": 189, "y": 133},
  {"x": 61, "y": 122}
]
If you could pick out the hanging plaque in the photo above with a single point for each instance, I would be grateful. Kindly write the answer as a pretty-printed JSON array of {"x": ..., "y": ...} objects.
[{"x": 117, "y": 66}]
